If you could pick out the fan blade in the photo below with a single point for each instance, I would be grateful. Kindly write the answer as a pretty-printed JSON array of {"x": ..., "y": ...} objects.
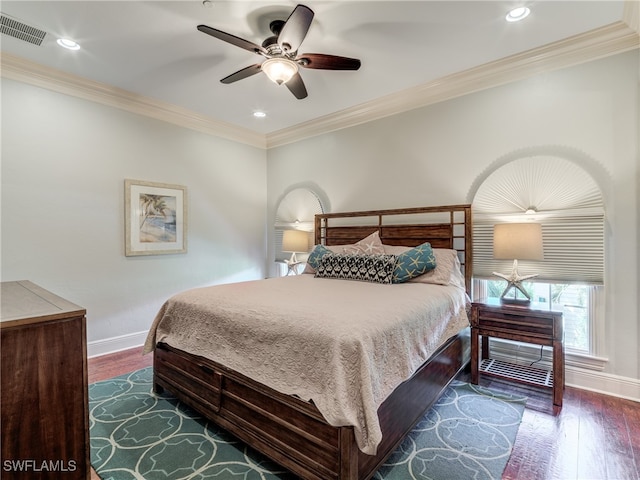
[
  {"x": 296, "y": 86},
  {"x": 295, "y": 29},
  {"x": 233, "y": 40},
  {"x": 328, "y": 62},
  {"x": 244, "y": 73}
]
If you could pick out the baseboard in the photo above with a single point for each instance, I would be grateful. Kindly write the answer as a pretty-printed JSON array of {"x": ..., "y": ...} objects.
[
  {"x": 605, "y": 383},
  {"x": 116, "y": 344},
  {"x": 579, "y": 372}
]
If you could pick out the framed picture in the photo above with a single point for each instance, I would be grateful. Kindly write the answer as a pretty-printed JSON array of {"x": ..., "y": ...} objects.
[{"x": 155, "y": 218}]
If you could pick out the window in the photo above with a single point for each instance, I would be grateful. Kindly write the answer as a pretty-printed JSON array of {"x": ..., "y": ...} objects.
[
  {"x": 573, "y": 300},
  {"x": 547, "y": 186},
  {"x": 296, "y": 210}
]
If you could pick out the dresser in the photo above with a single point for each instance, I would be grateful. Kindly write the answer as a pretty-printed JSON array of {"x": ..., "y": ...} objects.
[{"x": 44, "y": 396}]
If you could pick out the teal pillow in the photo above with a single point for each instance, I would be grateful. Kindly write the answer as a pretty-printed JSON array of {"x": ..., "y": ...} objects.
[
  {"x": 316, "y": 255},
  {"x": 413, "y": 263}
]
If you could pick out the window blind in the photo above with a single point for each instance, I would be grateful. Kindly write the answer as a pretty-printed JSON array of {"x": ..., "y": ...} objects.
[
  {"x": 564, "y": 199},
  {"x": 573, "y": 250},
  {"x": 296, "y": 210}
]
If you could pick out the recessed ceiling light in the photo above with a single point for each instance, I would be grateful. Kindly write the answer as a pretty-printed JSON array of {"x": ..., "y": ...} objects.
[
  {"x": 518, "y": 14},
  {"x": 259, "y": 114},
  {"x": 68, "y": 43}
]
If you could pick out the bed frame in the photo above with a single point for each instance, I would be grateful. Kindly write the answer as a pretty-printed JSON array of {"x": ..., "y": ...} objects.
[{"x": 292, "y": 432}]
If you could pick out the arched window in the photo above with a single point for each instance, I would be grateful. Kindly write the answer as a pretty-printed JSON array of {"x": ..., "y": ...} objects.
[
  {"x": 296, "y": 210},
  {"x": 564, "y": 198},
  {"x": 556, "y": 193}
]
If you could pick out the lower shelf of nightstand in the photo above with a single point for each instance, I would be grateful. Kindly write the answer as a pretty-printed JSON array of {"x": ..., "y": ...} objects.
[{"x": 520, "y": 373}]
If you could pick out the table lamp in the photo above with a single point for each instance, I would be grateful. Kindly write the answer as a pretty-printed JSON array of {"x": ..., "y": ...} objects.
[
  {"x": 295, "y": 241},
  {"x": 517, "y": 241}
]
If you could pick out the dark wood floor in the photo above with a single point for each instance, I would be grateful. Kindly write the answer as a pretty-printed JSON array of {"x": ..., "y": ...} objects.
[{"x": 593, "y": 436}]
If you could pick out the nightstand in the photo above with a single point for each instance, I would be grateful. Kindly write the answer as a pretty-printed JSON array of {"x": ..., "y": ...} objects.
[{"x": 531, "y": 323}]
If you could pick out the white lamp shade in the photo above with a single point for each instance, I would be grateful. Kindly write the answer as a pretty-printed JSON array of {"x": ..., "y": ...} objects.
[
  {"x": 295, "y": 241},
  {"x": 279, "y": 70},
  {"x": 517, "y": 241}
]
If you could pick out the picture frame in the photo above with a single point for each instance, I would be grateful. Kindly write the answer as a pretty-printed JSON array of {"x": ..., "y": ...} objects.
[{"x": 155, "y": 218}]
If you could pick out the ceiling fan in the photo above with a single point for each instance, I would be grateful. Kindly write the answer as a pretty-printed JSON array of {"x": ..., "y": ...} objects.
[{"x": 281, "y": 52}]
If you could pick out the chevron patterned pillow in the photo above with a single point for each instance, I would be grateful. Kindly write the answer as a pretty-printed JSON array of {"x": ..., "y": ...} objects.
[{"x": 368, "y": 268}]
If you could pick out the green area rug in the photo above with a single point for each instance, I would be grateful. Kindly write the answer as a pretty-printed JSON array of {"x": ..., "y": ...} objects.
[{"x": 136, "y": 434}]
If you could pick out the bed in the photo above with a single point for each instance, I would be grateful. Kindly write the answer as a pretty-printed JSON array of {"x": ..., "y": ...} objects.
[{"x": 322, "y": 374}]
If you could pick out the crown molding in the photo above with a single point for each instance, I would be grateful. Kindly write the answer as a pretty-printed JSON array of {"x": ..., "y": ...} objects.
[
  {"x": 16, "y": 68},
  {"x": 612, "y": 39}
]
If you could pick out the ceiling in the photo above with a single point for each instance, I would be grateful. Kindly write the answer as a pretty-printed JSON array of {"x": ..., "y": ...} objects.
[{"x": 152, "y": 50}]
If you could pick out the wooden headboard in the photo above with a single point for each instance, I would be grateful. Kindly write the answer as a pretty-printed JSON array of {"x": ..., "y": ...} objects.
[{"x": 447, "y": 226}]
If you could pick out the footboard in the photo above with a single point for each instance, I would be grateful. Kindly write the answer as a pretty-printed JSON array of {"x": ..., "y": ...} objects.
[
  {"x": 292, "y": 432},
  {"x": 408, "y": 403}
]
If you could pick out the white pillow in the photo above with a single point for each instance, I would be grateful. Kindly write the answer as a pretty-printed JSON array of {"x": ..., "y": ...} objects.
[{"x": 371, "y": 245}]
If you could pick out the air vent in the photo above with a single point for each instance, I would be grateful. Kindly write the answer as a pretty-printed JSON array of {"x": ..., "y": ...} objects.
[{"x": 22, "y": 31}]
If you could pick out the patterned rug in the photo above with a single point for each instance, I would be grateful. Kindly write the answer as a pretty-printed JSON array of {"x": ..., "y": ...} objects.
[{"x": 135, "y": 434}]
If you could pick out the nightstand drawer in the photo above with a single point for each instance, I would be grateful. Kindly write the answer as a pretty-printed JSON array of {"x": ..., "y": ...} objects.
[{"x": 497, "y": 321}]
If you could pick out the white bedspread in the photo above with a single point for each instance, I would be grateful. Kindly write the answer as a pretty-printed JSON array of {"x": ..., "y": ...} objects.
[{"x": 345, "y": 345}]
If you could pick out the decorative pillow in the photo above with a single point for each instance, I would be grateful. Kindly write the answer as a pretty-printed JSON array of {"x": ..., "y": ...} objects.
[
  {"x": 368, "y": 268},
  {"x": 447, "y": 271},
  {"x": 395, "y": 249},
  {"x": 413, "y": 263},
  {"x": 371, "y": 245},
  {"x": 316, "y": 255}
]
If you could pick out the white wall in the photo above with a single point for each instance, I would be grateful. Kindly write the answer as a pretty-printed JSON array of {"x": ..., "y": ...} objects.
[
  {"x": 433, "y": 155},
  {"x": 64, "y": 161}
]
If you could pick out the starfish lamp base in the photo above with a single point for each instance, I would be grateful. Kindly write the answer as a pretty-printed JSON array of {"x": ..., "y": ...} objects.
[{"x": 514, "y": 280}]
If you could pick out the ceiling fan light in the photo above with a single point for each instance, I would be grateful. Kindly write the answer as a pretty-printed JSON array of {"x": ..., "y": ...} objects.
[{"x": 279, "y": 70}]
